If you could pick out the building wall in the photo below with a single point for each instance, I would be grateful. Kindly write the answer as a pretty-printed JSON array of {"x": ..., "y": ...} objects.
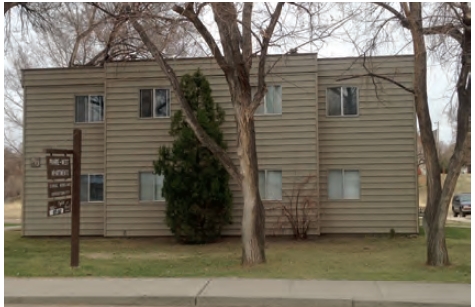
[
  {"x": 49, "y": 122},
  {"x": 380, "y": 143},
  {"x": 285, "y": 142}
]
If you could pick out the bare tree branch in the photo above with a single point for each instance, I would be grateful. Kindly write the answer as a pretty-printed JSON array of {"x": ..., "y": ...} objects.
[
  {"x": 246, "y": 35},
  {"x": 225, "y": 16},
  {"x": 80, "y": 37},
  {"x": 371, "y": 74},
  {"x": 193, "y": 18},
  {"x": 110, "y": 14},
  {"x": 220, "y": 153},
  {"x": 447, "y": 29},
  {"x": 398, "y": 15},
  {"x": 267, "y": 35}
]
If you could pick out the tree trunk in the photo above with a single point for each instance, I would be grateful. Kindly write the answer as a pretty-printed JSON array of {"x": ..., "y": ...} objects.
[
  {"x": 439, "y": 198},
  {"x": 437, "y": 251},
  {"x": 253, "y": 220},
  {"x": 437, "y": 254},
  {"x": 434, "y": 225}
]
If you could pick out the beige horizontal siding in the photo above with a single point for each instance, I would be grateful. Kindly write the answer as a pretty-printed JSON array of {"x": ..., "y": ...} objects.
[
  {"x": 61, "y": 77},
  {"x": 49, "y": 123},
  {"x": 285, "y": 142},
  {"x": 379, "y": 142},
  {"x": 282, "y": 65}
]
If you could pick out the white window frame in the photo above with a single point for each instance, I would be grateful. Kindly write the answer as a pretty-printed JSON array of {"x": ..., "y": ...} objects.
[
  {"x": 153, "y": 200},
  {"x": 154, "y": 102},
  {"x": 264, "y": 101},
  {"x": 342, "y": 184},
  {"x": 263, "y": 195},
  {"x": 89, "y": 189},
  {"x": 89, "y": 108},
  {"x": 341, "y": 102}
]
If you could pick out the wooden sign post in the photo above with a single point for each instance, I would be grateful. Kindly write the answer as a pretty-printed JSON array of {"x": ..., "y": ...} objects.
[
  {"x": 75, "y": 216},
  {"x": 59, "y": 168}
]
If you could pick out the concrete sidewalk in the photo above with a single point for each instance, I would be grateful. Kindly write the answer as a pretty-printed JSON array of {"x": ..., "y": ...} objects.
[{"x": 227, "y": 292}]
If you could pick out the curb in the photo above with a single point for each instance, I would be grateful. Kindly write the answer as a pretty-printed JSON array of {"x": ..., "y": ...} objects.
[{"x": 215, "y": 302}]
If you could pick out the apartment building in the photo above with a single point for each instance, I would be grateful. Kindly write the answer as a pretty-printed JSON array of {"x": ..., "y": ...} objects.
[{"x": 357, "y": 136}]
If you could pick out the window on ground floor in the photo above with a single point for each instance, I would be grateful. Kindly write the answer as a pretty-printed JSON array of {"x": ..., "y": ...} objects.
[
  {"x": 344, "y": 184},
  {"x": 270, "y": 184},
  {"x": 92, "y": 188},
  {"x": 150, "y": 186}
]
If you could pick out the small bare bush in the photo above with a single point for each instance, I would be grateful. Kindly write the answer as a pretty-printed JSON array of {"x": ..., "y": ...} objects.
[{"x": 299, "y": 210}]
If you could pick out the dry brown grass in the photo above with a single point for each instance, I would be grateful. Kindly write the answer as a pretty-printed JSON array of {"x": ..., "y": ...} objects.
[{"x": 12, "y": 211}]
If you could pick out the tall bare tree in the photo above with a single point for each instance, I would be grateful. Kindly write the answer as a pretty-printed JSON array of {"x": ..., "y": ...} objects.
[
  {"x": 447, "y": 28},
  {"x": 245, "y": 33},
  {"x": 235, "y": 61}
]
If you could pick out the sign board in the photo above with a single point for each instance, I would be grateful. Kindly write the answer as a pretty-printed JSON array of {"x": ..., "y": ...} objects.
[
  {"x": 58, "y": 207},
  {"x": 59, "y": 189},
  {"x": 58, "y": 167}
]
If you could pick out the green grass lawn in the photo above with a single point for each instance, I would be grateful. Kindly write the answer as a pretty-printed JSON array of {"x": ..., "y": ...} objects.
[
  {"x": 10, "y": 225},
  {"x": 337, "y": 258}
]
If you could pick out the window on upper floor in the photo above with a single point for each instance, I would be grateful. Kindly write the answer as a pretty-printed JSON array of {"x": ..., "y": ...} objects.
[
  {"x": 343, "y": 184},
  {"x": 92, "y": 188},
  {"x": 155, "y": 103},
  {"x": 150, "y": 186},
  {"x": 342, "y": 101},
  {"x": 270, "y": 184},
  {"x": 89, "y": 108},
  {"x": 272, "y": 103}
]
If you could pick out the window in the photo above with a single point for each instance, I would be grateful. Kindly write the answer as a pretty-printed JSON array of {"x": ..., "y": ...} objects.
[
  {"x": 342, "y": 101},
  {"x": 150, "y": 186},
  {"x": 343, "y": 184},
  {"x": 89, "y": 108},
  {"x": 155, "y": 103},
  {"x": 270, "y": 184},
  {"x": 92, "y": 188},
  {"x": 272, "y": 101}
]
